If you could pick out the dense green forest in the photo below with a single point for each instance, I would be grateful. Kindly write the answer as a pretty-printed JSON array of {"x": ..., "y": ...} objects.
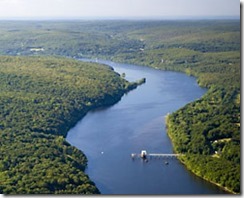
[
  {"x": 40, "y": 100},
  {"x": 207, "y": 130}
]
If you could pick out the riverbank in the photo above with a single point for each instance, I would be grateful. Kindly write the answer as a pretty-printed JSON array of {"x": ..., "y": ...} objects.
[
  {"x": 207, "y": 167},
  {"x": 207, "y": 179}
]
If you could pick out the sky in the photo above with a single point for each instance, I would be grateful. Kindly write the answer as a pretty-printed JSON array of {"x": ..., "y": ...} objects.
[{"x": 118, "y": 8}]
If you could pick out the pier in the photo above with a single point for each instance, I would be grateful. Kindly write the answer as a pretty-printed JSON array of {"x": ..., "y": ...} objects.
[{"x": 145, "y": 155}]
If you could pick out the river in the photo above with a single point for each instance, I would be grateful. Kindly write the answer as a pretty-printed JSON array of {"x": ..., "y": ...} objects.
[{"x": 108, "y": 136}]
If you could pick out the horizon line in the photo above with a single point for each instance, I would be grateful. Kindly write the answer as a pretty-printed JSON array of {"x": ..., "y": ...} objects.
[{"x": 17, "y": 18}]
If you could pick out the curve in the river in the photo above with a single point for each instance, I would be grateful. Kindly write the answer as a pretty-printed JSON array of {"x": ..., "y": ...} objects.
[{"x": 108, "y": 136}]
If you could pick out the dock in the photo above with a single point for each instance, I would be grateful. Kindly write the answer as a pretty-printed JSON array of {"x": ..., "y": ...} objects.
[{"x": 145, "y": 155}]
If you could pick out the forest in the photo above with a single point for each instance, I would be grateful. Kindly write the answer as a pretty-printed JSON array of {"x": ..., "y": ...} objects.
[
  {"x": 207, "y": 131},
  {"x": 41, "y": 99}
]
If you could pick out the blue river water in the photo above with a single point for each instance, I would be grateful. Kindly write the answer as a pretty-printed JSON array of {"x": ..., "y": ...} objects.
[{"x": 109, "y": 135}]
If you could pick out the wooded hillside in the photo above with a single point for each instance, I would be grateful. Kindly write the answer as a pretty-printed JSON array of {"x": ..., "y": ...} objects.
[{"x": 41, "y": 98}]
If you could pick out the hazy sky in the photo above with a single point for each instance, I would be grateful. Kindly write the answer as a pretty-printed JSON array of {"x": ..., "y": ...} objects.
[{"x": 118, "y": 8}]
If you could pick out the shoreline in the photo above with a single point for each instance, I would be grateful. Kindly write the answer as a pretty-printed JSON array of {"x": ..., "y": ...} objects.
[
  {"x": 217, "y": 184},
  {"x": 181, "y": 159}
]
